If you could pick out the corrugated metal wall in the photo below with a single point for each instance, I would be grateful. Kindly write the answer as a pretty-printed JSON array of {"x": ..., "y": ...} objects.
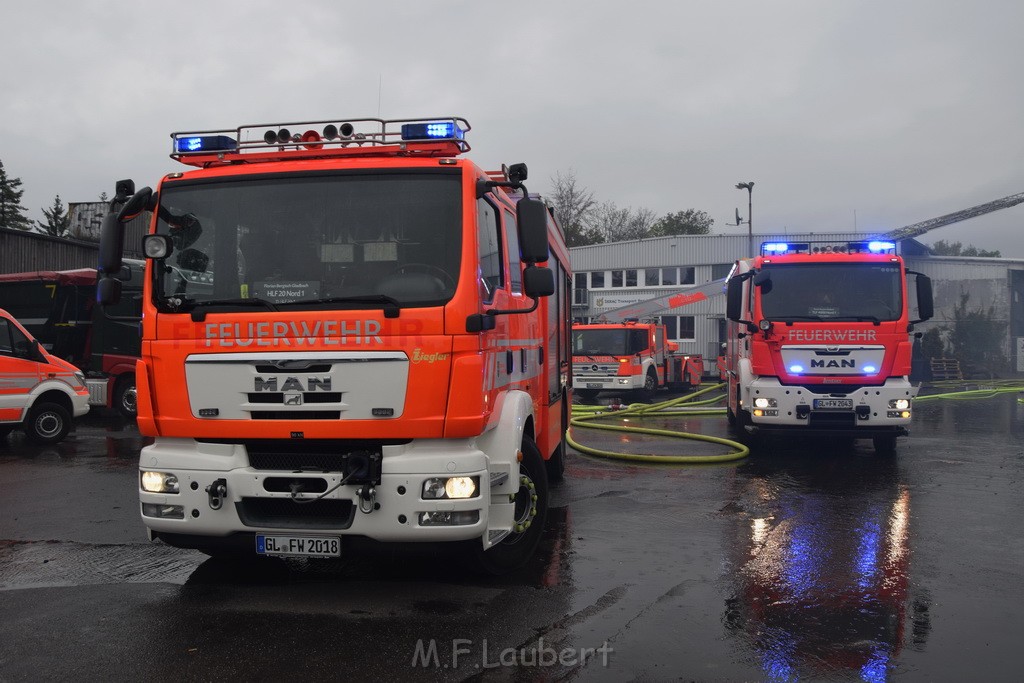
[{"x": 22, "y": 251}]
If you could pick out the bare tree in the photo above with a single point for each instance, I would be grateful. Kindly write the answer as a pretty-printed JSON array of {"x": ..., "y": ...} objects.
[
  {"x": 574, "y": 206},
  {"x": 621, "y": 225}
]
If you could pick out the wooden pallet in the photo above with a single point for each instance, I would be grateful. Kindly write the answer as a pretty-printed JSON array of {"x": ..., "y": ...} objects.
[{"x": 946, "y": 368}]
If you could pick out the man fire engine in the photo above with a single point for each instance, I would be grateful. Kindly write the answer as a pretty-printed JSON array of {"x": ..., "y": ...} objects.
[
  {"x": 630, "y": 356},
  {"x": 818, "y": 340},
  {"x": 347, "y": 332}
]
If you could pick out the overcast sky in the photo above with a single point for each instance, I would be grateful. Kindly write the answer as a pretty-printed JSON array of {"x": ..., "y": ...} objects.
[{"x": 873, "y": 114}]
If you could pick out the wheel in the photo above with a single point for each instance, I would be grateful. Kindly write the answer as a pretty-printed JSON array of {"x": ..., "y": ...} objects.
[
  {"x": 126, "y": 397},
  {"x": 885, "y": 445},
  {"x": 650, "y": 385},
  {"x": 47, "y": 423},
  {"x": 531, "y": 510}
]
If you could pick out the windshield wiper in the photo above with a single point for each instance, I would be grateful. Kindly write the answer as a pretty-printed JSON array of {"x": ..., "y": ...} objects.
[
  {"x": 391, "y": 305},
  {"x": 178, "y": 304}
]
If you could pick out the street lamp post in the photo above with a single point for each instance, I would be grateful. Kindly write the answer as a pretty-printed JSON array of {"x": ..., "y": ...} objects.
[{"x": 749, "y": 187}]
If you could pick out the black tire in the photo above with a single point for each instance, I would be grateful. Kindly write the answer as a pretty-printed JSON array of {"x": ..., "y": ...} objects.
[
  {"x": 126, "y": 397},
  {"x": 47, "y": 423},
  {"x": 555, "y": 465},
  {"x": 650, "y": 385},
  {"x": 885, "y": 445},
  {"x": 518, "y": 547}
]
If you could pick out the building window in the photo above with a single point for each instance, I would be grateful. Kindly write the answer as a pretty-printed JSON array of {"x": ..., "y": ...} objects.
[
  {"x": 651, "y": 277},
  {"x": 580, "y": 280},
  {"x": 597, "y": 279},
  {"x": 719, "y": 271},
  {"x": 631, "y": 278},
  {"x": 680, "y": 327},
  {"x": 617, "y": 278},
  {"x": 669, "y": 276},
  {"x": 686, "y": 275}
]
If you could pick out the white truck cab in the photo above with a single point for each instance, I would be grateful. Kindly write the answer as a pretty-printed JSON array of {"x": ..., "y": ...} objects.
[{"x": 39, "y": 392}]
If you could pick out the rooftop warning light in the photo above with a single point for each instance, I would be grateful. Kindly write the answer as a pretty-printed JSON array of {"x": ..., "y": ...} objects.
[
  {"x": 431, "y": 130},
  {"x": 204, "y": 144}
]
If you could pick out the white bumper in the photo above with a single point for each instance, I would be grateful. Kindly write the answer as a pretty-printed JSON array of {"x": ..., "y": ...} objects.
[
  {"x": 393, "y": 514},
  {"x": 79, "y": 404},
  {"x": 866, "y": 408}
]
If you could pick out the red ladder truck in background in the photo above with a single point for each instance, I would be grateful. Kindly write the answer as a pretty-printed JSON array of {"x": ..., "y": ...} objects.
[
  {"x": 819, "y": 340},
  {"x": 630, "y": 356},
  {"x": 348, "y": 333}
]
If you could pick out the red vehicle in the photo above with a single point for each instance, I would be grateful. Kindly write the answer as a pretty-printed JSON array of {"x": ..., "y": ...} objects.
[
  {"x": 630, "y": 356},
  {"x": 59, "y": 309},
  {"x": 818, "y": 341},
  {"x": 347, "y": 332}
]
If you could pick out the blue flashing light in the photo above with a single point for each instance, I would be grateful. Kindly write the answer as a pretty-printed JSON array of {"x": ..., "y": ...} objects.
[
  {"x": 198, "y": 144},
  {"x": 433, "y": 130},
  {"x": 870, "y": 369},
  {"x": 775, "y": 247},
  {"x": 878, "y": 247},
  {"x": 796, "y": 369}
]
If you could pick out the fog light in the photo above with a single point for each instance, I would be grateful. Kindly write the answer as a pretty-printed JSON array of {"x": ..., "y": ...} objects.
[
  {"x": 625, "y": 381},
  {"x": 159, "y": 482},
  {"x": 462, "y": 518},
  {"x": 163, "y": 511},
  {"x": 900, "y": 403}
]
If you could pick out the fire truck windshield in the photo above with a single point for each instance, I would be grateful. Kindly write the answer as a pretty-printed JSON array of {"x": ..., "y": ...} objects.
[
  {"x": 608, "y": 342},
  {"x": 311, "y": 241},
  {"x": 832, "y": 291}
]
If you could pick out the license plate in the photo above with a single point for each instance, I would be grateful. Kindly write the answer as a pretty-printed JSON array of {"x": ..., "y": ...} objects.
[
  {"x": 594, "y": 385},
  {"x": 299, "y": 546},
  {"x": 833, "y": 404}
]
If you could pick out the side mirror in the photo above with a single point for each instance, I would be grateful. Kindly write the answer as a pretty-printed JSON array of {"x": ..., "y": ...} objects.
[
  {"x": 763, "y": 280},
  {"x": 108, "y": 291},
  {"x": 532, "y": 216},
  {"x": 734, "y": 299},
  {"x": 925, "y": 304},
  {"x": 135, "y": 205},
  {"x": 111, "y": 244},
  {"x": 538, "y": 282}
]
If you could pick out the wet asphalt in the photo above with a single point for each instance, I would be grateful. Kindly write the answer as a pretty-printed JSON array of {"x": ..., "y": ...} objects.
[{"x": 812, "y": 560}]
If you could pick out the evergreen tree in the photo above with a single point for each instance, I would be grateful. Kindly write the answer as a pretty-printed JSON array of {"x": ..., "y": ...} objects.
[
  {"x": 58, "y": 219},
  {"x": 11, "y": 210}
]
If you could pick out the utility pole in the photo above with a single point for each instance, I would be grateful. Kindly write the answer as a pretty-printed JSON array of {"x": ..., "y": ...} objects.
[{"x": 749, "y": 187}]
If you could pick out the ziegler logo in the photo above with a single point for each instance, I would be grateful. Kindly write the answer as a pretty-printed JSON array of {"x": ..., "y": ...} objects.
[
  {"x": 420, "y": 357},
  {"x": 293, "y": 384},
  {"x": 845, "y": 363}
]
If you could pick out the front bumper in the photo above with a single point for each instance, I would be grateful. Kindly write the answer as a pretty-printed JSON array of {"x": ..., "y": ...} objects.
[
  {"x": 604, "y": 383},
  {"x": 863, "y": 411},
  {"x": 259, "y": 500}
]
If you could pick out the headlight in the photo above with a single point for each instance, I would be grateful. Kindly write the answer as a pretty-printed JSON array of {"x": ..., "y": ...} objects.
[
  {"x": 80, "y": 378},
  {"x": 765, "y": 403},
  {"x": 452, "y": 488},
  {"x": 900, "y": 403},
  {"x": 159, "y": 482}
]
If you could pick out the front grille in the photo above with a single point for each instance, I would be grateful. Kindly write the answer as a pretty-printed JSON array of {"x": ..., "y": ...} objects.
[
  {"x": 277, "y": 397},
  {"x": 296, "y": 414},
  {"x": 282, "y": 513}
]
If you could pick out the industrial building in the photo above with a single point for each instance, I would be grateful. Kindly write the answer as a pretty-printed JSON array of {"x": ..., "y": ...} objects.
[{"x": 608, "y": 277}]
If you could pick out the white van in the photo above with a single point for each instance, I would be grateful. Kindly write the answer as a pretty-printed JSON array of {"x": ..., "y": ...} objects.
[{"x": 39, "y": 392}]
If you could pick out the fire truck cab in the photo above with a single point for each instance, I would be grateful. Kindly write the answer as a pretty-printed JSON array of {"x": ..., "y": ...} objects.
[
  {"x": 39, "y": 392},
  {"x": 350, "y": 331},
  {"x": 820, "y": 341}
]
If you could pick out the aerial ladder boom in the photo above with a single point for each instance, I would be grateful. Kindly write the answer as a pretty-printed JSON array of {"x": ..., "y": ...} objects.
[{"x": 915, "y": 229}]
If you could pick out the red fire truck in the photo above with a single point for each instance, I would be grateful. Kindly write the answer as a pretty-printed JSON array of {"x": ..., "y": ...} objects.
[
  {"x": 348, "y": 331},
  {"x": 630, "y": 356},
  {"x": 819, "y": 340}
]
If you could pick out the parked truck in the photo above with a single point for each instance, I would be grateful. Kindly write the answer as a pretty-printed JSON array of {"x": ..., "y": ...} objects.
[
  {"x": 632, "y": 357},
  {"x": 819, "y": 340},
  {"x": 59, "y": 309},
  {"x": 348, "y": 332}
]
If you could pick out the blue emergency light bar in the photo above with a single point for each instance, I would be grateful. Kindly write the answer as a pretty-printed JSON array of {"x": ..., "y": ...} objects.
[
  {"x": 205, "y": 144},
  {"x": 870, "y": 247},
  {"x": 431, "y": 130}
]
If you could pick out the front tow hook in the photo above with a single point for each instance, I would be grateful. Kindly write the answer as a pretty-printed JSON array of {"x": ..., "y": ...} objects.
[{"x": 217, "y": 491}]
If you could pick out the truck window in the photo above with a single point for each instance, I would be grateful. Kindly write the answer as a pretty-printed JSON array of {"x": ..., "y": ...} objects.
[
  {"x": 515, "y": 268},
  {"x": 489, "y": 238},
  {"x": 6, "y": 348},
  {"x": 833, "y": 291},
  {"x": 293, "y": 239}
]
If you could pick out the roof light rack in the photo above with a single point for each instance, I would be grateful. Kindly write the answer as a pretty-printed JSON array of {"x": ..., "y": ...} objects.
[
  {"x": 435, "y": 136},
  {"x": 824, "y": 247}
]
